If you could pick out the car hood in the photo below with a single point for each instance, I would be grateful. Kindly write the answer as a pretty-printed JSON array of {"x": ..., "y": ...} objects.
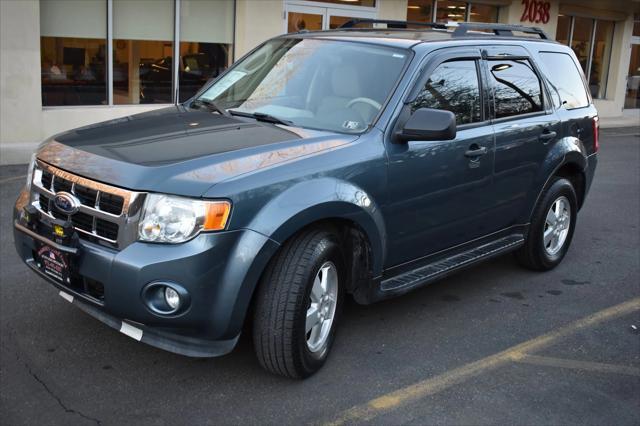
[{"x": 180, "y": 151}]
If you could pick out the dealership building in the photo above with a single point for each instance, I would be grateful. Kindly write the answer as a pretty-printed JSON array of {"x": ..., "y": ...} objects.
[{"x": 68, "y": 63}]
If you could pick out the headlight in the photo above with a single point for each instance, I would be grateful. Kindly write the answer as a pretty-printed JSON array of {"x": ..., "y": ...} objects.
[
  {"x": 32, "y": 165},
  {"x": 169, "y": 219}
]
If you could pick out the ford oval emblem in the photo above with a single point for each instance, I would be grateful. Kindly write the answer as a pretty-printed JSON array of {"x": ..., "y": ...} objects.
[{"x": 66, "y": 203}]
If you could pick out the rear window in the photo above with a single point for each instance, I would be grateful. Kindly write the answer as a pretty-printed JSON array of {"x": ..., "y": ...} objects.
[{"x": 565, "y": 80}]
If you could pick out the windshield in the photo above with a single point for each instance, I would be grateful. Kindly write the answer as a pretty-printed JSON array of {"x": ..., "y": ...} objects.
[{"x": 327, "y": 85}]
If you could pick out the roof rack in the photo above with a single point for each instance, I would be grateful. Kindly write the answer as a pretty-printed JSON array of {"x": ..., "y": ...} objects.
[
  {"x": 463, "y": 28},
  {"x": 391, "y": 24}
]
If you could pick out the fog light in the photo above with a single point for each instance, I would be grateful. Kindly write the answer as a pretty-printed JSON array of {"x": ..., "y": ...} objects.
[
  {"x": 164, "y": 298},
  {"x": 172, "y": 298}
]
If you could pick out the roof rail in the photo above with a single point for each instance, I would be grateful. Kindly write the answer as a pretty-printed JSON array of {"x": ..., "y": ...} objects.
[
  {"x": 463, "y": 28},
  {"x": 392, "y": 24}
]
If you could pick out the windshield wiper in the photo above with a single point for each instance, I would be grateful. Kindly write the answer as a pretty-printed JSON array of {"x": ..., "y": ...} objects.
[
  {"x": 260, "y": 116},
  {"x": 211, "y": 105}
]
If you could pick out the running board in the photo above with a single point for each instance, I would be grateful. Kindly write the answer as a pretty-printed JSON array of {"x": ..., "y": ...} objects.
[{"x": 440, "y": 268}]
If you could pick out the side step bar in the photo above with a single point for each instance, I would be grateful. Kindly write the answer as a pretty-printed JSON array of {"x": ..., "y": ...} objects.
[{"x": 440, "y": 268}]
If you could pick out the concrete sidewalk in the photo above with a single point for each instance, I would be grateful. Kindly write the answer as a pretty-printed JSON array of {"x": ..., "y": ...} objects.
[{"x": 629, "y": 118}]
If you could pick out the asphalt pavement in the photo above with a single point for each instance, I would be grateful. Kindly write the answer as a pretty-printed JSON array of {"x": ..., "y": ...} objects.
[{"x": 495, "y": 344}]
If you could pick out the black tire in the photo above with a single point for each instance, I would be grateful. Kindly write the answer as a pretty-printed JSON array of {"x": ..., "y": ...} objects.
[
  {"x": 533, "y": 254},
  {"x": 283, "y": 298}
]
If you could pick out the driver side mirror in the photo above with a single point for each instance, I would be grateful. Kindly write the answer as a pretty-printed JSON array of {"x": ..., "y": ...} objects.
[{"x": 426, "y": 124}]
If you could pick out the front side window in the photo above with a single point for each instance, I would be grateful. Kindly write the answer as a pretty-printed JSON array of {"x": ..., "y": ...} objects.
[
  {"x": 516, "y": 88},
  {"x": 320, "y": 84},
  {"x": 567, "y": 84},
  {"x": 453, "y": 86}
]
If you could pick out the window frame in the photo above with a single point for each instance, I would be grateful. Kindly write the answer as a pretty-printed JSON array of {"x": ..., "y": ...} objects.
[
  {"x": 451, "y": 54},
  {"x": 547, "y": 103},
  {"x": 175, "y": 72}
]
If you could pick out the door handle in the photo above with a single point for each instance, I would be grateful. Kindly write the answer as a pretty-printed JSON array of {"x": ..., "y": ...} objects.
[
  {"x": 475, "y": 151},
  {"x": 547, "y": 135}
]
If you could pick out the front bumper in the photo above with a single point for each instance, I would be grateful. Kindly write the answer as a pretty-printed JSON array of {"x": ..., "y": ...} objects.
[{"x": 219, "y": 270}]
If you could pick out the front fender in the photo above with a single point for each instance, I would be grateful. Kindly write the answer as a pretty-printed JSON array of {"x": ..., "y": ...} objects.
[{"x": 326, "y": 198}]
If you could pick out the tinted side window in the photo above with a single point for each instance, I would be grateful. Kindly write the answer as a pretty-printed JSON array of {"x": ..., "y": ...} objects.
[
  {"x": 453, "y": 86},
  {"x": 565, "y": 79},
  {"x": 517, "y": 89}
]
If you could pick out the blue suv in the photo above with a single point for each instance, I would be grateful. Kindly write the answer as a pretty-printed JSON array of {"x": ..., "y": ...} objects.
[{"x": 361, "y": 162}]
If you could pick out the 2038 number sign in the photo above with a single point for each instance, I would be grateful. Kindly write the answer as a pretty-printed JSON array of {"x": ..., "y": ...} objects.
[{"x": 535, "y": 11}]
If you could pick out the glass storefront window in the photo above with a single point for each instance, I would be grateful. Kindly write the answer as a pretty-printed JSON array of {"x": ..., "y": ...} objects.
[
  {"x": 594, "y": 60},
  {"x": 206, "y": 36},
  {"x": 581, "y": 40},
  {"x": 298, "y": 21},
  {"x": 142, "y": 51},
  {"x": 563, "y": 29},
  {"x": 451, "y": 11},
  {"x": 366, "y": 3},
  {"x": 600, "y": 59},
  {"x": 72, "y": 52},
  {"x": 420, "y": 10},
  {"x": 632, "y": 96},
  {"x": 483, "y": 13}
]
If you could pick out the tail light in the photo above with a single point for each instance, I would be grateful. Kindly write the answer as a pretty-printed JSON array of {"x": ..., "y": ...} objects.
[{"x": 596, "y": 144}]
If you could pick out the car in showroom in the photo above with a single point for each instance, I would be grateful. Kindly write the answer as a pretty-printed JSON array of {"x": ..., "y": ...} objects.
[{"x": 359, "y": 162}]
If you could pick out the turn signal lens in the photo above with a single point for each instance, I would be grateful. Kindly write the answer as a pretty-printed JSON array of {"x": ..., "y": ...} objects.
[{"x": 216, "y": 215}]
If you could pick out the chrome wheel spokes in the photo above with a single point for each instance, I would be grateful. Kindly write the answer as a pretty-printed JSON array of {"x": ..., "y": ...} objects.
[
  {"x": 556, "y": 226},
  {"x": 322, "y": 307}
]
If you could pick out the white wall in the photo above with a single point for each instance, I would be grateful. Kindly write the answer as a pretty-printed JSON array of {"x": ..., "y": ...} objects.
[
  {"x": 20, "y": 104},
  {"x": 257, "y": 21},
  {"x": 393, "y": 9},
  {"x": 511, "y": 15}
]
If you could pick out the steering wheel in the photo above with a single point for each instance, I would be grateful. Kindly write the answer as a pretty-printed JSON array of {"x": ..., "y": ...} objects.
[{"x": 367, "y": 101}]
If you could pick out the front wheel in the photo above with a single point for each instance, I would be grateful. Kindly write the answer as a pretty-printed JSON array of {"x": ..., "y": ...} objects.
[
  {"x": 552, "y": 226},
  {"x": 298, "y": 305}
]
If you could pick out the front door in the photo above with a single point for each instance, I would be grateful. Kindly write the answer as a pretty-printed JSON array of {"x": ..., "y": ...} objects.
[{"x": 440, "y": 191}]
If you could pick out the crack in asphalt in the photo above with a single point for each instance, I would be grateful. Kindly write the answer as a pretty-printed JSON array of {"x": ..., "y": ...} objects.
[{"x": 56, "y": 397}]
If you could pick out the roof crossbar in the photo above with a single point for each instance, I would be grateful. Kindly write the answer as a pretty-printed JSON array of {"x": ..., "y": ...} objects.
[
  {"x": 392, "y": 24},
  {"x": 463, "y": 29}
]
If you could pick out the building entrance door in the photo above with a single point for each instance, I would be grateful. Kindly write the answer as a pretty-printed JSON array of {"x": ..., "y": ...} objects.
[
  {"x": 300, "y": 17},
  {"x": 632, "y": 97}
]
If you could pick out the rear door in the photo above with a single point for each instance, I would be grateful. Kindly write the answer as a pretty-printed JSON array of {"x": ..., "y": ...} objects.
[
  {"x": 525, "y": 127},
  {"x": 440, "y": 191}
]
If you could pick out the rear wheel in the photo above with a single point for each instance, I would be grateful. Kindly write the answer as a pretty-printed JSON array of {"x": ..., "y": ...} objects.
[
  {"x": 552, "y": 227},
  {"x": 298, "y": 305}
]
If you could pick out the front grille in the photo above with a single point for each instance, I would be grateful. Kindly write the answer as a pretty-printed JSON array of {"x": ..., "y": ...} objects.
[
  {"x": 103, "y": 209},
  {"x": 111, "y": 203}
]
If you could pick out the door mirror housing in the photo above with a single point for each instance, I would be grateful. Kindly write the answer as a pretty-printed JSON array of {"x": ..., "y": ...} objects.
[{"x": 426, "y": 124}]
